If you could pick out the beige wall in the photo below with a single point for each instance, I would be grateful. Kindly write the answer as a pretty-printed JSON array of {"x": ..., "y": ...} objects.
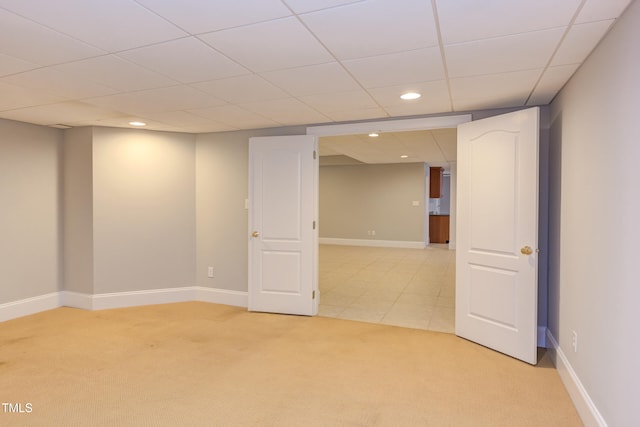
[
  {"x": 143, "y": 210},
  {"x": 356, "y": 199},
  {"x": 594, "y": 229},
  {"x": 30, "y": 220},
  {"x": 222, "y": 162},
  {"x": 77, "y": 201}
]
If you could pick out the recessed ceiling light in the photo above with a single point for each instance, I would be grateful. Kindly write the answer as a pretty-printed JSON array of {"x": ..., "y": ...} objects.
[
  {"x": 410, "y": 95},
  {"x": 404, "y": 156},
  {"x": 373, "y": 135},
  {"x": 137, "y": 123}
]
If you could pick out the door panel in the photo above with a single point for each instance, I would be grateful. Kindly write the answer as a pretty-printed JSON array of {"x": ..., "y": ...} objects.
[
  {"x": 493, "y": 210},
  {"x": 283, "y": 206},
  {"x": 496, "y": 277},
  {"x": 280, "y": 180}
]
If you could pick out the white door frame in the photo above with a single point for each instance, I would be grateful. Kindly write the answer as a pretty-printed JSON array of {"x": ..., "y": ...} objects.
[{"x": 400, "y": 125}]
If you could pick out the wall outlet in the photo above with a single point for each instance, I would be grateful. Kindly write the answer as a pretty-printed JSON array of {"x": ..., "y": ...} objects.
[
  {"x": 210, "y": 272},
  {"x": 574, "y": 341}
]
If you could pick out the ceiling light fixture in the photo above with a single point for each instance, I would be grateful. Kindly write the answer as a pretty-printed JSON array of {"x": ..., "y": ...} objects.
[
  {"x": 410, "y": 95},
  {"x": 404, "y": 156},
  {"x": 373, "y": 135},
  {"x": 137, "y": 123}
]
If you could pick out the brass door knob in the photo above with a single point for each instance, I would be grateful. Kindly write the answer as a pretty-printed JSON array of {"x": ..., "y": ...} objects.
[
  {"x": 255, "y": 234},
  {"x": 526, "y": 250}
]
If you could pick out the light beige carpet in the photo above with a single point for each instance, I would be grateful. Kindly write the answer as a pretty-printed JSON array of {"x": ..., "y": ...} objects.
[{"x": 199, "y": 364}]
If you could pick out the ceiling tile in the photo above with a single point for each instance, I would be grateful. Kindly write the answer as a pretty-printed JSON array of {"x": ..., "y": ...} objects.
[
  {"x": 270, "y": 63},
  {"x": 59, "y": 113},
  {"x": 123, "y": 122},
  {"x": 169, "y": 58},
  {"x": 289, "y": 111},
  {"x": 313, "y": 79},
  {"x": 352, "y": 147},
  {"x": 268, "y": 46},
  {"x": 10, "y": 65},
  {"x": 550, "y": 83},
  {"x": 210, "y": 128},
  {"x": 436, "y": 92},
  {"x": 353, "y": 115},
  {"x": 597, "y": 10},
  {"x": 242, "y": 89},
  {"x": 235, "y": 116},
  {"x": 198, "y": 16},
  {"x": 466, "y": 20},
  {"x": 422, "y": 145},
  {"x": 61, "y": 84},
  {"x": 434, "y": 147},
  {"x": 409, "y": 67},
  {"x": 154, "y": 100},
  {"x": 115, "y": 72},
  {"x": 502, "y": 54},
  {"x": 303, "y": 6},
  {"x": 411, "y": 109},
  {"x": 18, "y": 97},
  {"x": 493, "y": 91},
  {"x": 343, "y": 101},
  {"x": 374, "y": 27},
  {"x": 447, "y": 140},
  {"x": 579, "y": 42},
  {"x": 112, "y": 25},
  {"x": 34, "y": 43},
  {"x": 177, "y": 118}
]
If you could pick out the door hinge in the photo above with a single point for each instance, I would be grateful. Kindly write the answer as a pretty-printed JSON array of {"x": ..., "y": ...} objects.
[
  {"x": 314, "y": 225},
  {"x": 314, "y": 154},
  {"x": 313, "y": 295}
]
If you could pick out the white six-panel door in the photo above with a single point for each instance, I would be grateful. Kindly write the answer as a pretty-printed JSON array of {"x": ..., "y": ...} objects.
[
  {"x": 283, "y": 207},
  {"x": 497, "y": 233}
]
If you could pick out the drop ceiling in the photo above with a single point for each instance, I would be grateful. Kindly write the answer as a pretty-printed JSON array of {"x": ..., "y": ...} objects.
[
  {"x": 435, "y": 147},
  {"x": 219, "y": 65}
]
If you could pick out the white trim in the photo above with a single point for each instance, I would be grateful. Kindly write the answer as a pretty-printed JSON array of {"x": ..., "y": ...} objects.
[
  {"x": 222, "y": 296},
  {"x": 27, "y": 306},
  {"x": 373, "y": 243},
  {"x": 426, "y": 123},
  {"x": 76, "y": 300},
  {"x": 542, "y": 336},
  {"x": 135, "y": 298},
  {"x": 581, "y": 399}
]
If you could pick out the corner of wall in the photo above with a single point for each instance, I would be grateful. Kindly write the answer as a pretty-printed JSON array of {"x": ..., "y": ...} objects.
[{"x": 586, "y": 408}]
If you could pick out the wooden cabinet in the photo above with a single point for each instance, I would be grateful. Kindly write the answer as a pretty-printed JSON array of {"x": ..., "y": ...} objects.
[
  {"x": 438, "y": 228},
  {"x": 435, "y": 182}
]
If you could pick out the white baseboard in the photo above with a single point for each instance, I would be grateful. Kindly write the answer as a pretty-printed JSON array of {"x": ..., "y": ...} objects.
[
  {"x": 25, "y": 307},
  {"x": 53, "y": 300},
  {"x": 76, "y": 300},
  {"x": 222, "y": 296},
  {"x": 581, "y": 399},
  {"x": 136, "y": 298},
  {"x": 373, "y": 243}
]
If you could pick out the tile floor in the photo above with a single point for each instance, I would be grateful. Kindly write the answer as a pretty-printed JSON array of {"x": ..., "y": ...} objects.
[{"x": 413, "y": 288}]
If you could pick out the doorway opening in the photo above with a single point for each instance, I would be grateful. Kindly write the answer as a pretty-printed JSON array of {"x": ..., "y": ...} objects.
[{"x": 386, "y": 276}]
